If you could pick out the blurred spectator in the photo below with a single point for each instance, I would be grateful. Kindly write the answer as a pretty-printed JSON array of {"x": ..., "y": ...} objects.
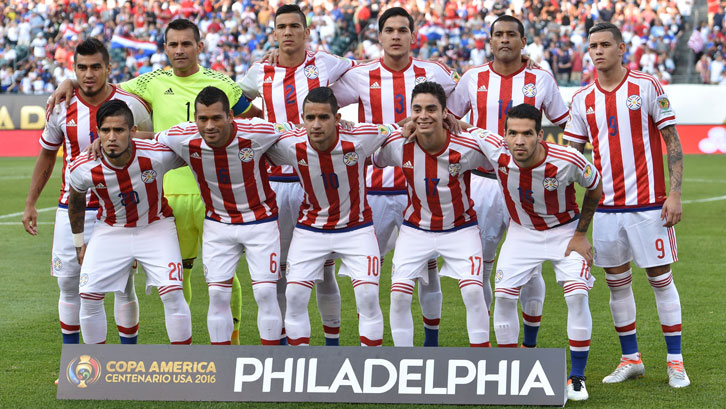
[
  {"x": 716, "y": 68},
  {"x": 702, "y": 67}
]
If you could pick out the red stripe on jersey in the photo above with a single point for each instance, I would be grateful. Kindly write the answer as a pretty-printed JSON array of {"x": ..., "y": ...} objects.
[
  {"x": 432, "y": 193},
  {"x": 290, "y": 90},
  {"x": 195, "y": 162},
  {"x": 375, "y": 94},
  {"x": 304, "y": 172},
  {"x": 72, "y": 131},
  {"x": 97, "y": 177},
  {"x": 616, "y": 154},
  {"x": 361, "y": 111},
  {"x": 530, "y": 78},
  {"x": 414, "y": 201},
  {"x": 594, "y": 132},
  {"x": 354, "y": 183},
  {"x": 481, "y": 99},
  {"x": 457, "y": 199},
  {"x": 525, "y": 185},
  {"x": 248, "y": 173},
  {"x": 503, "y": 162},
  {"x": 505, "y": 99},
  {"x": 268, "y": 72},
  {"x": 657, "y": 159},
  {"x": 551, "y": 200},
  {"x": 641, "y": 164},
  {"x": 331, "y": 184},
  {"x": 224, "y": 183},
  {"x": 152, "y": 190}
]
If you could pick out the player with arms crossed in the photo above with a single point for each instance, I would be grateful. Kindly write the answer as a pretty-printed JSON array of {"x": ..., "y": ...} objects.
[
  {"x": 225, "y": 156},
  {"x": 537, "y": 179},
  {"x": 622, "y": 114},
  {"x": 382, "y": 89},
  {"x": 282, "y": 88},
  {"x": 440, "y": 219},
  {"x": 488, "y": 92},
  {"x": 74, "y": 128},
  {"x": 171, "y": 94},
  {"x": 334, "y": 216},
  {"x": 135, "y": 223}
]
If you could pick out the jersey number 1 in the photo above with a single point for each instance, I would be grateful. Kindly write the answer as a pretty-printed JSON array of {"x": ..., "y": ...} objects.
[{"x": 189, "y": 110}]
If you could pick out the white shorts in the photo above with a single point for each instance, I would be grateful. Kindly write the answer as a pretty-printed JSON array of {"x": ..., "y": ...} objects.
[
  {"x": 387, "y": 218},
  {"x": 525, "y": 250},
  {"x": 491, "y": 213},
  {"x": 112, "y": 250},
  {"x": 222, "y": 247},
  {"x": 460, "y": 249},
  {"x": 289, "y": 197},
  {"x": 357, "y": 250},
  {"x": 64, "y": 260},
  {"x": 621, "y": 237}
]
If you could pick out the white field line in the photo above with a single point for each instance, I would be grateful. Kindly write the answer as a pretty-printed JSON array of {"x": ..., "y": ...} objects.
[
  {"x": 11, "y": 215},
  {"x": 704, "y": 180},
  {"x": 708, "y": 199},
  {"x": 20, "y": 223}
]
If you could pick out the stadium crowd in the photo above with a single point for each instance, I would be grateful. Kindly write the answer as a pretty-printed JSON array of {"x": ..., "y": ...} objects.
[
  {"x": 37, "y": 38},
  {"x": 708, "y": 43}
]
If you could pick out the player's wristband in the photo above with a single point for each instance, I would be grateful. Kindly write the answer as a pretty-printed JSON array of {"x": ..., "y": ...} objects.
[{"x": 78, "y": 239}]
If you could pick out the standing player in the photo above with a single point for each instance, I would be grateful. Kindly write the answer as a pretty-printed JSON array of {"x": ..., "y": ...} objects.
[
  {"x": 488, "y": 92},
  {"x": 382, "y": 89},
  {"x": 537, "y": 180},
  {"x": 439, "y": 219},
  {"x": 171, "y": 94},
  {"x": 135, "y": 223},
  {"x": 334, "y": 216},
  {"x": 74, "y": 128},
  {"x": 283, "y": 88},
  {"x": 621, "y": 114},
  {"x": 225, "y": 157}
]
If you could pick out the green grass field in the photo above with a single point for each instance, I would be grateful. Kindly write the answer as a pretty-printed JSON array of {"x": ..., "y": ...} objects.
[{"x": 30, "y": 341}]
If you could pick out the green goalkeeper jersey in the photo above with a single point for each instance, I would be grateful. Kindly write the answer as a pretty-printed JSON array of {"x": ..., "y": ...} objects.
[{"x": 172, "y": 102}]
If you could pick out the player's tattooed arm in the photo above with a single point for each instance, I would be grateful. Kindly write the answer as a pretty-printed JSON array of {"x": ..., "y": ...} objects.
[
  {"x": 578, "y": 145},
  {"x": 77, "y": 210},
  {"x": 579, "y": 241},
  {"x": 672, "y": 209},
  {"x": 41, "y": 173}
]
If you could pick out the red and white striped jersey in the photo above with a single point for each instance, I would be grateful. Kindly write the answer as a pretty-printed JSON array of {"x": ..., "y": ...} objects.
[
  {"x": 283, "y": 90},
  {"x": 232, "y": 179},
  {"x": 543, "y": 196},
  {"x": 333, "y": 181},
  {"x": 131, "y": 196},
  {"x": 438, "y": 184},
  {"x": 489, "y": 96},
  {"x": 623, "y": 126},
  {"x": 384, "y": 97},
  {"x": 74, "y": 128}
]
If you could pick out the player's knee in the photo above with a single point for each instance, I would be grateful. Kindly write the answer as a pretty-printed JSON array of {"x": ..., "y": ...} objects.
[
  {"x": 473, "y": 297},
  {"x": 297, "y": 297},
  {"x": 658, "y": 271},
  {"x": 366, "y": 298},
  {"x": 400, "y": 302},
  {"x": 68, "y": 287},
  {"x": 264, "y": 293}
]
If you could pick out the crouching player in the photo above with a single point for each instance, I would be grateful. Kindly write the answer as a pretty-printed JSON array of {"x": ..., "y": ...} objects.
[
  {"x": 137, "y": 224},
  {"x": 537, "y": 179}
]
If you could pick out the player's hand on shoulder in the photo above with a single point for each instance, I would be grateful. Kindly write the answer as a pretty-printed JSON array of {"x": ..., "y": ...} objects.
[
  {"x": 452, "y": 124},
  {"x": 270, "y": 56},
  {"x": 64, "y": 92},
  {"x": 672, "y": 210},
  {"x": 347, "y": 125},
  {"x": 408, "y": 131},
  {"x": 530, "y": 62},
  {"x": 580, "y": 244},
  {"x": 93, "y": 150},
  {"x": 30, "y": 220}
]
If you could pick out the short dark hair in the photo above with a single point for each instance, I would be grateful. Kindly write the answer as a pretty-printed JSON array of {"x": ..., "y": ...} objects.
[
  {"x": 511, "y": 19},
  {"x": 433, "y": 88},
  {"x": 291, "y": 8},
  {"x": 182, "y": 24},
  {"x": 392, "y": 12},
  {"x": 212, "y": 95},
  {"x": 91, "y": 46},
  {"x": 322, "y": 95},
  {"x": 607, "y": 27},
  {"x": 114, "y": 107},
  {"x": 525, "y": 111}
]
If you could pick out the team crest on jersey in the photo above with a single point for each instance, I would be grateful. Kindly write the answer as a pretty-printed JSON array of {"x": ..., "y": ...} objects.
[
  {"x": 83, "y": 280},
  {"x": 385, "y": 130},
  {"x": 634, "y": 102},
  {"x": 419, "y": 80},
  {"x": 311, "y": 72},
  {"x": 455, "y": 76},
  {"x": 498, "y": 276},
  {"x": 551, "y": 184},
  {"x": 246, "y": 154},
  {"x": 664, "y": 104},
  {"x": 454, "y": 169},
  {"x": 280, "y": 127},
  {"x": 350, "y": 158},
  {"x": 588, "y": 173},
  {"x": 148, "y": 176},
  {"x": 529, "y": 90},
  {"x": 57, "y": 264},
  {"x": 479, "y": 133}
]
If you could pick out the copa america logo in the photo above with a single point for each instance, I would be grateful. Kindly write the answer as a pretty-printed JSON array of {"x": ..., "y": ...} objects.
[
  {"x": 246, "y": 154},
  {"x": 350, "y": 158},
  {"x": 634, "y": 102},
  {"x": 529, "y": 90},
  {"x": 311, "y": 72},
  {"x": 148, "y": 176},
  {"x": 551, "y": 184},
  {"x": 83, "y": 371}
]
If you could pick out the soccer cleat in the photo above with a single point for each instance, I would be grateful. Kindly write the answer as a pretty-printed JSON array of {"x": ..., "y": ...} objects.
[
  {"x": 627, "y": 369},
  {"x": 576, "y": 388},
  {"x": 56, "y": 381},
  {"x": 677, "y": 377}
]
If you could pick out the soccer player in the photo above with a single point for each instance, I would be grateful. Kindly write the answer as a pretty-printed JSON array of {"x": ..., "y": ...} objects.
[
  {"x": 622, "y": 114},
  {"x": 282, "y": 88},
  {"x": 537, "y": 179},
  {"x": 488, "y": 92},
  {"x": 382, "y": 89},
  {"x": 439, "y": 219},
  {"x": 334, "y": 216},
  {"x": 74, "y": 128},
  {"x": 135, "y": 223},
  {"x": 171, "y": 94},
  {"x": 225, "y": 156}
]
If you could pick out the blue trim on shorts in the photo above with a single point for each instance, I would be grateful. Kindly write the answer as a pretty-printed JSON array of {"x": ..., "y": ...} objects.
[
  {"x": 88, "y": 209},
  {"x": 463, "y": 226},
  {"x": 283, "y": 179},
  {"x": 386, "y": 192},
  {"x": 269, "y": 219},
  {"x": 360, "y": 226},
  {"x": 577, "y": 217},
  {"x": 628, "y": 209}
]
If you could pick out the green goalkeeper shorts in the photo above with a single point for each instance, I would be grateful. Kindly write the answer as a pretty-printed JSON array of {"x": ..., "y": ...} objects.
[{"x": 189, "y": 213}]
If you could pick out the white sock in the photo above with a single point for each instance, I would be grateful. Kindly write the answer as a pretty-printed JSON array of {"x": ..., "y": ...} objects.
[
  {"x": 579, "y": 320},
  {"x": 668, "y": 303},
  {"x": 370, "y": 317},
  {"x": 506, "y": 322},
  {"x": 219, "y": 316},
  {"x": 477, "y": 316},
  {"x": 69, "y": 304},
  {"x": 93, "y": 318},
  {"x": 622, "y": 305},
  {"x": 532, "y": 296},
  {"x": 126, "y": 309},
  {"x": 327, "y": 295},
  {"x": 177, "y": 316},
  {"x": 297, "y": 320},
  {"x": 269, "y": 320},
  {"x": 400, "y": 315},
  {"x": 430, "y": 298}
]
